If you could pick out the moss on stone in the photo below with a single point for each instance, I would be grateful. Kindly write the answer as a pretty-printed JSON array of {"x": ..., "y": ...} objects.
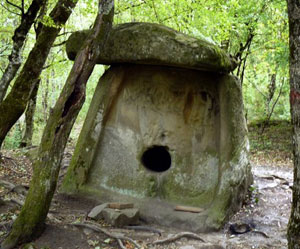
[
  {"x": 149, "y": 43},
  {"x": 104, "y": 97},
  {"x": 215, "y": 177}
]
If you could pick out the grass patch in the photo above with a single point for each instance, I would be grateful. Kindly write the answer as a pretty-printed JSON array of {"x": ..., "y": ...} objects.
[{"x": 273, "y": 147}]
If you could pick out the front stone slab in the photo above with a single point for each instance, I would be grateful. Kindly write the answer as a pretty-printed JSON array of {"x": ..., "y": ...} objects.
[
  {"x": 160, "y": 137},
  {"x": 164, "y": 111}
]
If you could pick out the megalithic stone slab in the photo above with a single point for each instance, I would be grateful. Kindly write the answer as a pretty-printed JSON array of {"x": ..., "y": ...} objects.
[
  {"x": 154, "y": 44},
  {"x": 170, "y": 132}
]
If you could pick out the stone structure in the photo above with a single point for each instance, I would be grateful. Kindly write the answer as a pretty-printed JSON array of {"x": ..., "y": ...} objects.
[{"x": 165, "y": 127}]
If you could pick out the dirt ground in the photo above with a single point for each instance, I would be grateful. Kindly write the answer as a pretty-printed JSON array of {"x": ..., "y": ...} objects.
[{"x": 267, "y": 209}]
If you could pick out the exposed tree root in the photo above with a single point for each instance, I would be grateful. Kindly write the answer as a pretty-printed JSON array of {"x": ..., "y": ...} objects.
[
  {"x": 19, "y": 202},
  {"x": 121, "y": 244},
  {"x": 53, "y": 218},
  {"x": 49, "y": 215},
  {"x": 19, "y": 189},
  {"x": 6, "y": 225},
  {"x": 144, "y": 228},
  {"x": 7, "y": 185},
  {"x": 10, "y": 159},
  {"x": 22, "y": 191},
  {"x": 262, "y": 233},
  {"x": 178, "y": 236},
  {"x": 97, "y": 228}
]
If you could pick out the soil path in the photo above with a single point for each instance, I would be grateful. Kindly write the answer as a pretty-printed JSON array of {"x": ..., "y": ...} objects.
[{"x": 268, "y": 210}]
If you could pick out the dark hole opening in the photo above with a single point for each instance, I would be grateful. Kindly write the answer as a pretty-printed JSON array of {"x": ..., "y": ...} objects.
[{"x": 157, "y": 159}]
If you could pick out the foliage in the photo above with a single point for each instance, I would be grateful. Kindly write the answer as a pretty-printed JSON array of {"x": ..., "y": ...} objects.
[
  {"x": 226, "y": 23},
  {"x": 14, "y": 138},
  {"x": 230, "y": 22}
]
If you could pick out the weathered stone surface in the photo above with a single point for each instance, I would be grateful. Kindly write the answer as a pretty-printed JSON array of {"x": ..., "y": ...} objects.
[
  {"x": 234, "y": 166},
  {"x": 197, "y": 117},
  {"x": 115, "y": 217},
  {"x": 120, "y": 218},
  {"x": 154, "y": 44},
  {"x": 95, "y": 213},
  {"x": 174, "y": 111}
]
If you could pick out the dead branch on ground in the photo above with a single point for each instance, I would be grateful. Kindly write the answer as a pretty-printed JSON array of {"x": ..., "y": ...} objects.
[
  {"x": 260, "y": 232},
  {"x": 7, "y": 185},
  {"x": 19, "y": 202},
  {"x": 18, "y": 189},
  {"x": 143, "y": 228},
  {"x": 178, "y": 236},
  {"x": 97, "y": 228},
  {"x": 121, "y": 244},
  {"x": 6, "y": 225}
]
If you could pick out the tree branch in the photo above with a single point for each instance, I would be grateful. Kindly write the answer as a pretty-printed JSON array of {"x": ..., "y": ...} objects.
[
  {"x": 175, "y": 15},
  {"x": 4, "y": 49},
  {"x": 23, "y": 9},
  {"x": 59, "y": 44},
  {"x": 265, "y": 96},
  {"x": 65, "y": 33},
  {"x": 275, "y": 102},
  {"x": 244, "y": 61},
  {"x": 155, "y": 12},
  {"x": 16, "y": 6},
  {"x": 97, "y": 228},
  {"x": 10, "y": 10},
  {"x": 131, "y": 6},
  {"x": 52, "y": 64}
]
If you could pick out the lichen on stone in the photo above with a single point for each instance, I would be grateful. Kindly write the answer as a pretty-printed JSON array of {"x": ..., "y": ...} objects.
[{"x": 155, "y": 44}]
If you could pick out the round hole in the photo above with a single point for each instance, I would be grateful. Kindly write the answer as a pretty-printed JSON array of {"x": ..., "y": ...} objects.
[{"x": 157, "y": 159}]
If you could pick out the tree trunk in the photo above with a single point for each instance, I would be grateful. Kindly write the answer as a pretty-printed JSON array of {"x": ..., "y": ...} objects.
[
  {"x": 239, "y": 56},
  {"x": 20, "y": 34},
  {"x": 29, "y": 121},
  {"x": 45, "y": 100},
  {"x": 30, "y": 221},
  {"x": 294, "y": 25},
  {"x": 17, "y": 99}
]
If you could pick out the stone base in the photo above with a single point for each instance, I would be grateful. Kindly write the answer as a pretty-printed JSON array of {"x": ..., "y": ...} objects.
[{"x": 162, "y": 212}]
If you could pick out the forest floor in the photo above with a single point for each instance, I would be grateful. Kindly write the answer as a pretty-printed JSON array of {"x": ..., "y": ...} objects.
[{"x": 268, "y": 208}]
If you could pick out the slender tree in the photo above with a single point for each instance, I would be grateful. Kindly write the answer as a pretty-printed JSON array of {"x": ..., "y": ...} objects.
[
  {"x": 18, "y": 98},
  {"x": 30, "y": 221},
  {"x": 29, "y": 115},
  {"x": 20, "y": 34},
  {"x": 294, "y": 25},
  {"x": 31, "y": 106}
]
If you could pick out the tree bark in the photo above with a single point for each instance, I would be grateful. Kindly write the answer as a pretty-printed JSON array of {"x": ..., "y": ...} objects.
[
  {"x": 20, "y": 34},
  {"x": 30, "y": 221},
  {"x": 294, "y": 26},
  {"x": 45, "y": 100},
  {"x": 29, "y": 118},
  {"x": 17, "y": 99}
]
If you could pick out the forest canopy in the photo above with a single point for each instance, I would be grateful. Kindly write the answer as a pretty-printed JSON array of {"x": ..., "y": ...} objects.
[
  {"x": 253, "y": 32},
  {"x": 42, "y": 92}
]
